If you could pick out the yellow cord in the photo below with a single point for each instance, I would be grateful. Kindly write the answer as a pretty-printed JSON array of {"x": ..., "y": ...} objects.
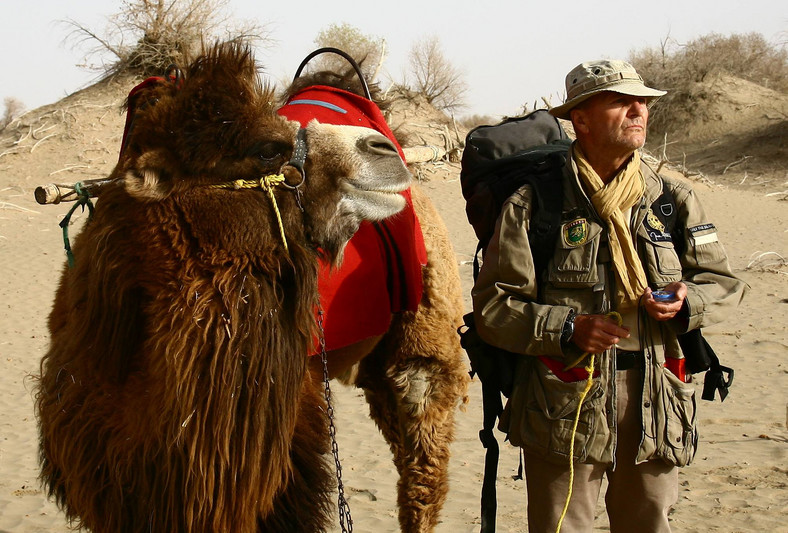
[
  {"x": 267, "y": 183},
  {"x": 589, "y": 382}
]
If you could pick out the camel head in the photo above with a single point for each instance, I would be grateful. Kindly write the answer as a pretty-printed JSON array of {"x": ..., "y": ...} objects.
[
  {"x": 216, "y": 124},
  {"x": 339, "y": 105}
]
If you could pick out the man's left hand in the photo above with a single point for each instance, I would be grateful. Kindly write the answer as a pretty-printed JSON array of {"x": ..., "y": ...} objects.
[{"x": 665, "y": 310}]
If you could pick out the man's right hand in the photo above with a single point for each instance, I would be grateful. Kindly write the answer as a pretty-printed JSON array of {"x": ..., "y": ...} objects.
[{"x": 597, "y": 333}]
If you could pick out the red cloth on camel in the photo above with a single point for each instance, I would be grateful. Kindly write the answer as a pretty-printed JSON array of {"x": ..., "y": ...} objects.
[{"x": 381, "y": 270}]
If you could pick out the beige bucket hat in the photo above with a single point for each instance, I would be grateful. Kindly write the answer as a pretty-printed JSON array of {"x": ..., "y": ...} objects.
[{"x": 593, "y": 77}]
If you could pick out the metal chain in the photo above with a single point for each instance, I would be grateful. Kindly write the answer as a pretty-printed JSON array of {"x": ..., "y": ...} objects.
[{"x": 345, "y": 521}]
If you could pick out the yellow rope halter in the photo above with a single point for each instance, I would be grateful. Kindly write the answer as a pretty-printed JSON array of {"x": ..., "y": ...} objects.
[
  {"x": 589, "y": 382},
  {"x": 267, "y": 183}
]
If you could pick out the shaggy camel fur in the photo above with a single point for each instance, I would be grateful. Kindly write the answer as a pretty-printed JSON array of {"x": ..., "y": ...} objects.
[{"x": 176, "y": 395}]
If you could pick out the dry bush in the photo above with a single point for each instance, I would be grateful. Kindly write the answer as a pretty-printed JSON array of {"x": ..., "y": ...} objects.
[
  {"x": 12, "y": 109},
  {"x": 433, "y": 76},
  {"x": 369, "y": 51},
  {"x": 546, "y": 102},
  {"x": 471, "y": 121},
  {"x": 147, "y": 36},
  {"x": 678, "y": 68},
  {"x": 767, "y": 262}
]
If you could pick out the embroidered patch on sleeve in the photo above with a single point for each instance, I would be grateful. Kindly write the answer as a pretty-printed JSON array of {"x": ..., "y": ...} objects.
[
  {"x": 702, "y": 227},
  {"x": 703, "y": 234}
]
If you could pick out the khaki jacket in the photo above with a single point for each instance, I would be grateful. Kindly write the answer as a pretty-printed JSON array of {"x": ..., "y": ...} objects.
[{"x": 515, "y": 311}]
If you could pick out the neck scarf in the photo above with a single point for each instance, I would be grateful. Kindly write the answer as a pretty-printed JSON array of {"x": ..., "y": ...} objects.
[{"x": 610, "y": 201}]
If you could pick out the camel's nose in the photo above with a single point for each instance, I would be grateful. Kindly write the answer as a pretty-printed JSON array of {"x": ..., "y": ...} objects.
[{"x": 377, "y": 144}]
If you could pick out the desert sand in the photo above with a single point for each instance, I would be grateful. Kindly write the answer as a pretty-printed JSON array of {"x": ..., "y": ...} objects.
[{"x": 738, "y": 482}]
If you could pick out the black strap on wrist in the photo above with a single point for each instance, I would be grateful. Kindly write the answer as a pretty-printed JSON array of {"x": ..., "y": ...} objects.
[{"x": 569, "y": 328}]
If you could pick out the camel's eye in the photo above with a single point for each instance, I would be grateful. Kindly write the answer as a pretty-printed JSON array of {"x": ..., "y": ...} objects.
[{"x": 270, "y": 151}]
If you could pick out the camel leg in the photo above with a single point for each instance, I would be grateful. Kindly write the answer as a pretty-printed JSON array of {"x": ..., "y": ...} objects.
[
  {"x": 416, "y": 376},
  {"x": 413, "y": 388}
]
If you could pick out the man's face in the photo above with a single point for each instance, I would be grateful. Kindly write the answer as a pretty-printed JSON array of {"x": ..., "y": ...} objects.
[{"x": 613, "y": 121}]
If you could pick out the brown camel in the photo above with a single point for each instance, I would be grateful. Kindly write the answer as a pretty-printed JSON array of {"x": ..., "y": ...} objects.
[{"x": 176, "y": 395}]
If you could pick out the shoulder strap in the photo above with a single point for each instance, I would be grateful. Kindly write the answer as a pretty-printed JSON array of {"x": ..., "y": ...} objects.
[
  {"x": 546, "y": 213},
  {"x": 666, "y": 203},
  {"x": 492, "y": 409},
  {"x": 485, "y": 365},
  {"x": 546, "y": 183}
]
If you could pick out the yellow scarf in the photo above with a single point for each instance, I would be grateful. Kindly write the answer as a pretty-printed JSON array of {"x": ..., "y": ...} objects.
[{"x": 610, "y": 201}]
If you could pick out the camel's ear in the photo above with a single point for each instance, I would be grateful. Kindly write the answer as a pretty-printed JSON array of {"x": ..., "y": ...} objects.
[{"x": 149, "y": 177}]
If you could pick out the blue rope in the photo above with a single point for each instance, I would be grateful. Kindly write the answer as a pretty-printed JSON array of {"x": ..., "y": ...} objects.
[{"x": 83, "y": 200}]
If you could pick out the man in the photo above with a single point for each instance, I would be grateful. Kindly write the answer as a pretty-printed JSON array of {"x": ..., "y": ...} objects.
[{"x": 625, "y": 233}]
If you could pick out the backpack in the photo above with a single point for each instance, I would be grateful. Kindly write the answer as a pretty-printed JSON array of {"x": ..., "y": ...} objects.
[{"x": 498, "y": 160}]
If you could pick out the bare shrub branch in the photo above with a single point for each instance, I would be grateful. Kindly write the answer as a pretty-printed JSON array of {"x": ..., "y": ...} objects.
[
  {"x": 369, "y": 51},
  {"x": 146, "y": 36},
  {"x": 12, "y": 109},
  {"x": 678, "y": 68},
  {"x": 766, "y": 262},
  {"x": 471, "y": 121},
  {"x": 432, "y": 75}
]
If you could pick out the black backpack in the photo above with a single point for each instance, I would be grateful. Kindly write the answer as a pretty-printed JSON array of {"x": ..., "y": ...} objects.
[{"x": 497, "y": 161}]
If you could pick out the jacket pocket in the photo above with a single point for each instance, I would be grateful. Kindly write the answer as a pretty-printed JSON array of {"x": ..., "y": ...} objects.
[
  {"x": 662, "y": 262},
  {"x": 680, "y": 437},
  {"x": 574, "y": 266},
  {"x": 549, "y": 413}
]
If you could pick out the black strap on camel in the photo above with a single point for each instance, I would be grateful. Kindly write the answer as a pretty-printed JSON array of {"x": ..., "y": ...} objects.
[{"x": 348, "y": 58}]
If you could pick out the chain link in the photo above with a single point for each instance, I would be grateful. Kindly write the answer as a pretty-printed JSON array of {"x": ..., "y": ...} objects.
[{"x": 345, "y": 520}]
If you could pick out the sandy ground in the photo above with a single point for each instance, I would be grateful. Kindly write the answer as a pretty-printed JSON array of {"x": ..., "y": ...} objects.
[{"x": 739, "y": 481}]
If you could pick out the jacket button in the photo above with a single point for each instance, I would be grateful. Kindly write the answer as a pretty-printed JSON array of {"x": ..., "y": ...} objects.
[{"x": 647, "y": 404}]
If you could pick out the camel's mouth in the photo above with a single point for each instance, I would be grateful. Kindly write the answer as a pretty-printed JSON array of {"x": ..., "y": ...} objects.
[
  {"x": 375, "y": 203},
  {"x": 387, "y": 188}
]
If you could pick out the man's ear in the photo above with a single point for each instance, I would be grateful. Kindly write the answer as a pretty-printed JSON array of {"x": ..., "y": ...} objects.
[{"x": 579, "y": 120}]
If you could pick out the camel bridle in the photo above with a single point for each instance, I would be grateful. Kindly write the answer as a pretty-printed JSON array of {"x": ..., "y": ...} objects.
[
  {"x": 269, "y": 182},
  {"x": 174, "y": 76}
]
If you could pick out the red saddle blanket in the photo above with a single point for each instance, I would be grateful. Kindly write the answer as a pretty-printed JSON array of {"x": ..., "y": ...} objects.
[{"x": 381, "y": 270}]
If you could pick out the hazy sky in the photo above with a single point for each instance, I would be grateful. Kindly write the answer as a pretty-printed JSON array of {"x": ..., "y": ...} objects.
[{"x": 511, "y": 52}]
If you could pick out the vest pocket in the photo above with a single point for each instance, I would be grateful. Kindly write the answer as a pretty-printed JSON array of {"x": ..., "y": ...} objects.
[
  {"x": 574, "y": 267},
  {"x": 680, "y": 439},
  {"x": 662, "y": 263},
  {"x": 549, "y": 414}
]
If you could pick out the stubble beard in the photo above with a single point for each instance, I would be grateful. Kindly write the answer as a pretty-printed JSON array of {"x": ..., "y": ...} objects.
[{"x": 630, "y": 139}]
